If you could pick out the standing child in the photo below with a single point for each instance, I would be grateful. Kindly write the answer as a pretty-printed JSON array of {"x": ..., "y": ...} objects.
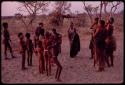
[
  {"x": 91, "y": 45},
  {"x": 22, "y": 49},
  {"x": 29, "y": 46},
  {"x": 110, "y": 42},
  {"x": 47, "y": 53},
  {"x": 39, "y": 50},
  {"x": 7, "y": 41},
  {"x": 100, "y": 36},
  {"x": 56, "y": 43},
  {"x": 39, "y": 31}
]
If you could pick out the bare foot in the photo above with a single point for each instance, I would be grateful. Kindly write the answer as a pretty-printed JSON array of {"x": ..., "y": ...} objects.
[{"x": 59, "y": 80}]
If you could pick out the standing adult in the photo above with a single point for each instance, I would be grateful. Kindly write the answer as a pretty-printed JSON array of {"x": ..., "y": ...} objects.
[
  {"x": 71, "y": 32},
  {"x": 74, "y": 41},
  {"x": 100, "y": 36}
]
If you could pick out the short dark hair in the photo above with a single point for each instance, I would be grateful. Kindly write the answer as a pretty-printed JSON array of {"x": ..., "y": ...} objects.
[
  {"x": 54, "y": 30},
  {"x": 96, "y": 19},
  {"x": 27, "y": 35},
  {"x": 102, "y": 22},
  {"x": 19, "y": 34},
  {"x": 5, "y": 24},
  {"x": 40, "y": 23},
  {"x": 111, "y": 20}
]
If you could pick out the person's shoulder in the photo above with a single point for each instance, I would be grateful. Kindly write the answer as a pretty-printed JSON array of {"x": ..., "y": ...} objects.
[
  {"x": 112, "y": 26},
  {"x": 60, "y": 35}
]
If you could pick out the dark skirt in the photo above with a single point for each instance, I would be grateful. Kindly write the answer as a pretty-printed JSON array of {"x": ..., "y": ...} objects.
[{"x": 75, "y": 46}]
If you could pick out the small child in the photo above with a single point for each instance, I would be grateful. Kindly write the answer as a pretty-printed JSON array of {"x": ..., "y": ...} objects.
[
  {"x": 47, "y": 53},
  {"x": 39, "y": 50},
  {"x": 22, "y": 49},
  {"x": 56, "y": 43},
  {"x": 29, "y": 46},
  {"x": 110, "y": 42}
]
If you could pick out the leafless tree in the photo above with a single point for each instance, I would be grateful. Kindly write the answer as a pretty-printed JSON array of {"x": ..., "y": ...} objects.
[
  {"x": 88, "y": 9},
  {"x": 60, "y": 10},
  {"x": 91, "y": 10},
  {"x": 95, "y": 11},
  {"x": 102, "y": 8},
  {"x": 62, "y": 7},
  {"x": 113, "y": 8},
  {"x": 33, "y": 8}
]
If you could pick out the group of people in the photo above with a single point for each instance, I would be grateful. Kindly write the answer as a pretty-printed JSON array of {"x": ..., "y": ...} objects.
[
  {"x": 46, "y": 45},
  {"x": 102, "y": 43}
]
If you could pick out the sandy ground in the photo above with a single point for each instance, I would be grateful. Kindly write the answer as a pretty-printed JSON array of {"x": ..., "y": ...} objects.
[{"x": 75, "y": 70}]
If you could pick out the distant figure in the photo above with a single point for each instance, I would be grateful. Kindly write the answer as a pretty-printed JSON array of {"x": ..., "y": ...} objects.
[
  {"x": 29, "y": 46},
  {"x": 91, "y": 45},
  {"x": 110, "y": 41},
  {"x": 70, "y": 32},
  {"x": 74, "y": 41},
  {"x": 39, "y": 31},
  {"x": 56, "y": 43},
  {"x": 22, "y": 49},
  {"x": 7, "y": 40},
  {"x": 99, "y": 37}
]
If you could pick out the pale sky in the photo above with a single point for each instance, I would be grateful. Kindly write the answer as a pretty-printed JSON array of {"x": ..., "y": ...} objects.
[{"x": 9, "y": 8}]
